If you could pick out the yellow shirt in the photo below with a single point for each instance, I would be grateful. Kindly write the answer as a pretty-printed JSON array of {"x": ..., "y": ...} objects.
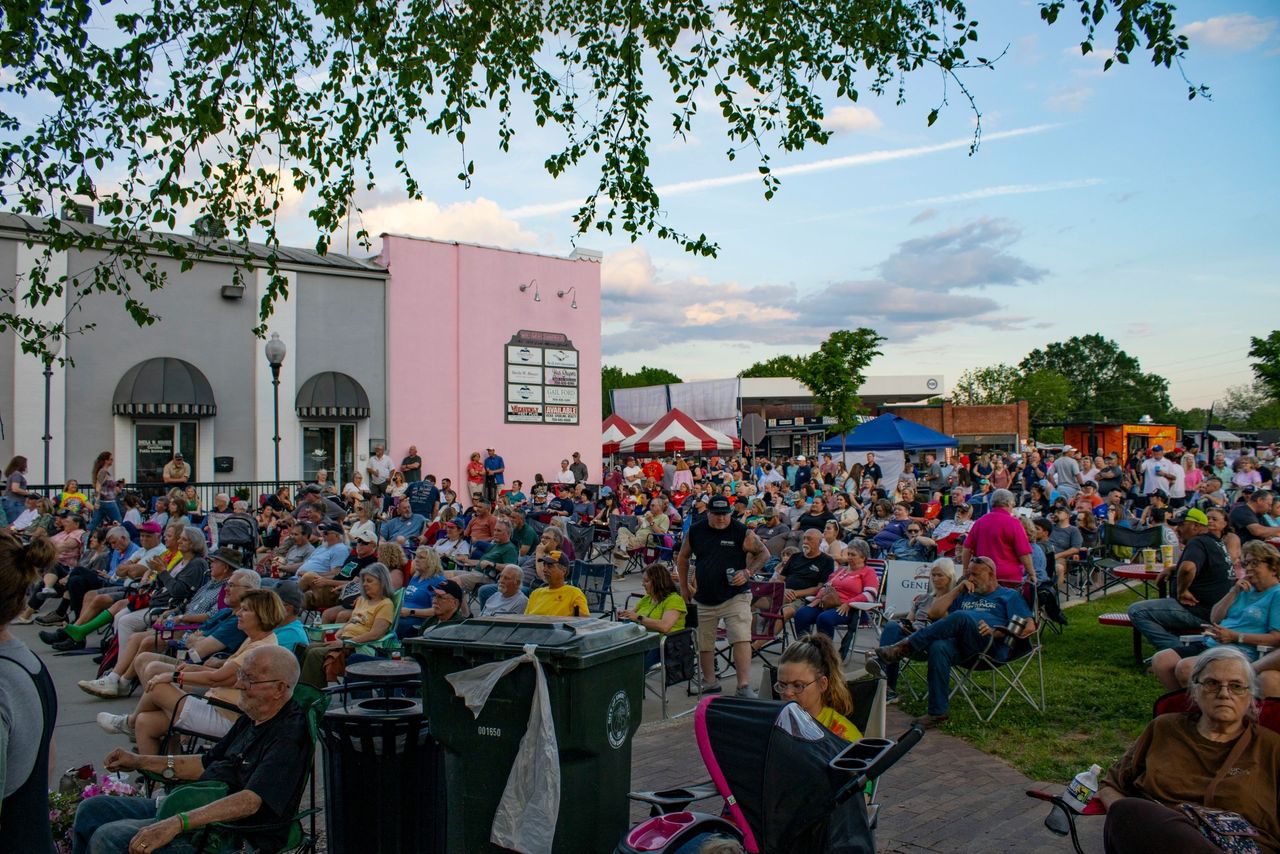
[
  {"x": 838, "y": 724},
  {"x": 558, "y": 603},
  {"x": 365, "y": 616}
]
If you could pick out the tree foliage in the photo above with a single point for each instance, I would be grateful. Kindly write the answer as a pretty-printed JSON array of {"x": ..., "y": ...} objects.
[
  {"x": 1248, "y": 407},
  {"x": 1048, "y": 395},
  {"x": 1107, "y": 384},
  {"x": 837, "y": 370},
  {"x": 778, "y": 366},
  {"x": 1266, "y": 367},
  {"x": 160, "y": 112},
  {"x": 612, "y": 377},
  {"x": 986, "y": 386}
]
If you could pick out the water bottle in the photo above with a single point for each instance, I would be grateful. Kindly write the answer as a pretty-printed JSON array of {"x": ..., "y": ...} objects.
[
  {"x": 1082, "y": 788},
  {"x": 169, "y": 624},
  {"x": 193, "y": 656}
]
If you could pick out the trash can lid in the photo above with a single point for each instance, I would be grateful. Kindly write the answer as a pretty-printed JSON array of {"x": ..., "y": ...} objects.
[{"x": 576, "y": 635}]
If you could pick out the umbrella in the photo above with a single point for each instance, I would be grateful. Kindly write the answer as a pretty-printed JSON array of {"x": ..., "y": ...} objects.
[
  {"x": 615, "y": 430},
  {"x": 676, "y": 431}
]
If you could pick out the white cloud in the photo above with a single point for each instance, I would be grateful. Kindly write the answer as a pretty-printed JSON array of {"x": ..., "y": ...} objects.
[
  {"x": 479, "y": 221},
  {"x": 851, "y": 119},
  {"x": 1231, "y": 32},
  {"x": 1070, "y": 100}
]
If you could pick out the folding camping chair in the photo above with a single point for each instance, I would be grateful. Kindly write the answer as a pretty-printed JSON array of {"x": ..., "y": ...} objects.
[
  {"x": 582, "y": 538},
  {"x": 768, "y": 628},
  {"x": 871, "y": 612},
  {"x": 1118, "y": 546},
  {"x": 595, "y": 580},
  {"x": 986, "y": 681}
]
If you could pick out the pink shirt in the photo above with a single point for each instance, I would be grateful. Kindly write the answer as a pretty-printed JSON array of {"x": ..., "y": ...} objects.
[
  {"x": 855, "y": 585},
  {"x": 1001, "y": 537},
  {"x": 1193, "y": 479}
]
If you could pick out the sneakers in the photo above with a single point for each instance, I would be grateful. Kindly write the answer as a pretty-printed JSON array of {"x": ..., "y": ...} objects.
[
  {"x": 53, "y": 618},
  {"x": 48, "y": 593},
  {"x": 108, "y": 687},
  {"x": 22, "y": 621},
  {"x": 873, "y": 666},
  {"x": 708, "y": 688},
  {"x": 114, "y": 724},
  {"x": 748, "y": 692},
  {"x": 891, "y": 696},
  {"x": 55, "y": 636},
  {"x": 68, "y": 645},
  {"x": 924, "y": 722}
]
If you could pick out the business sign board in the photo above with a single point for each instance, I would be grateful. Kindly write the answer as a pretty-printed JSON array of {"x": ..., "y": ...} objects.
[{"x": 541, "y": 379}]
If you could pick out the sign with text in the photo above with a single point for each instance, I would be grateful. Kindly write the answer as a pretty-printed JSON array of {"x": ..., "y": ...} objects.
[
  {"x": 904, "y": 580},
  {"x": 541, "y": 379}
]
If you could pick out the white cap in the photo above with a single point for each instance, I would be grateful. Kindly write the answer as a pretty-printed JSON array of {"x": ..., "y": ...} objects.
[{"x": 801, "y": 458}]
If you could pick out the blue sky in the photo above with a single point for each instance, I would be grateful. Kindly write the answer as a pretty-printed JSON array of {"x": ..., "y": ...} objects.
[{"x": 1097, "y": 203}]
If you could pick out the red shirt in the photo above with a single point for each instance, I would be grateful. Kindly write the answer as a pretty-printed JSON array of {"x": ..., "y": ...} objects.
[
  {"x": 653, "y": 469},
  {"x": 1000, "y": 536}
]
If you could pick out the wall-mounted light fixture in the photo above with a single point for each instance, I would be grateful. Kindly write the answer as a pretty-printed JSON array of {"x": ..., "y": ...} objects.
[
  {"x": 532, "y": 283},
  {"x": 574, "y": 291}
]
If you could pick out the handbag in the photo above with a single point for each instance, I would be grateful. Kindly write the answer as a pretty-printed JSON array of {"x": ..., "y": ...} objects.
[
  {"x": 1226, "y": 829},
  {"x": 335, "y": 663}
]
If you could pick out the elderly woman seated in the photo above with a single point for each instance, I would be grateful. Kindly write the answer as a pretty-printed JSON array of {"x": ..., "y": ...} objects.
[
  {"x": 259, "y": 613},
  {"x": 1216, "y": 757},
  {"x": 1246, "y": 618},
  {"x": 371, "y": 619},
  {"x": 848, "y": 586}
]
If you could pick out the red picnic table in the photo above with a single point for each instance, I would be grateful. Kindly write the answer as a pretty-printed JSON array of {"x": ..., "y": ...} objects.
[{"x": 1136, "y": 572}]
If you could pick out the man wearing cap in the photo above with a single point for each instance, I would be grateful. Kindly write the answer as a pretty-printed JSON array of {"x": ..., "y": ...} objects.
[
  {"x": 176, "y": 471},
  {"x": 578, "y": 467},
  {"x": 1204, "y": 576},
  {"x": 327, "y": 557},
  {"x": 726, "y": 554},
  {"x": 1110, "y": 476},
  {"x": 804, "y": 472},
  {"x": 324, "y": 591},
  {"x": 291, "y": 632},
  {"x": 494, "y": 467},
  {"x": 1157, "y": 472},
  {"x": 411, "y": 466},
  {"x": 446, "y": 607},
  {"x": 557, "y": 599},
  {"x": 1246, "y": 517}
]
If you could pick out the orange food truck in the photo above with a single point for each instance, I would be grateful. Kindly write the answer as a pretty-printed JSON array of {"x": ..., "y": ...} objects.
[{"x": 1125, "y": 440}]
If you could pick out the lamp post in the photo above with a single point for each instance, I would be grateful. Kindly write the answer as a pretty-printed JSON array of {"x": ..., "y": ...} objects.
[
  {"x": 275, "y": 357},
  {"x": 52, "y": 345}
]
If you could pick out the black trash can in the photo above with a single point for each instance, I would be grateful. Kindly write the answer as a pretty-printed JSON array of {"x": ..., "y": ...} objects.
[
  {"x": 595, "y": 681},
  {"x": 383, "y": 779}
]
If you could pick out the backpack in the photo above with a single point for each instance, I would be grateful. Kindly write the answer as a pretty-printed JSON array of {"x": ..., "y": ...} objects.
[{"x": 239, "y": 531}]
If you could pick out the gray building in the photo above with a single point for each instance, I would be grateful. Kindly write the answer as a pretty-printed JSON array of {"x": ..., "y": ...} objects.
[{"x": 198, "y": 381}]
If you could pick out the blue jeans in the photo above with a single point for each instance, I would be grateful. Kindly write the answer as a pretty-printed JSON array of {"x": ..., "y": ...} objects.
[
  {"x": 106, "y": 510},
  {"x": 891, "y": 634},
  {"x": 947, "y": 641},
  {"x": 105, "y": 824},
  {"x": 824, "y": 619},
  {"x": 1160, "y": 621}
]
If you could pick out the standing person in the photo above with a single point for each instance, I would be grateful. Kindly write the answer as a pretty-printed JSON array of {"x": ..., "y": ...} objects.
[
  {"x": 475, "y": 478},
  {"x": 578, "y": 467},
  {"x": 411, "y": 466},
  {"x": 1000, "y": 536},
  {"x": 872, "y": 470},
  {"x": 565, "y": 475},
  {"x": 494, "y": 467},
  {"x": 176, "y": 471},
  {"x": 726, "y": 553},
  {"x": 379, "y": 469},
  {"x": 28, "y": 707},
  {"x": 1065, "y": 473},
  {"x": 1157, "y": 472},
  {"x": 15, "y": 489}
]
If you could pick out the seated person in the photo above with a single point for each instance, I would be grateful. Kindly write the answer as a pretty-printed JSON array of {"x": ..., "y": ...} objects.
[
  {"x": 259, "y": 613},
  {"x": 508, "y": 598},
  {"x": 502, "y": 551},
  {"x": 288, "y": 559},
  {"x": 371, "y": 618},
  {"x": 654, "y": 523},
  {"x": 405, "y": 527},
  {"x": 847, "y": 587},
  {"x": 453, "y": 546},
  {"x": 1046, "y": 589},
  {"x": 804, "y": 573},
  {"x": 481, "y": 529},
  {"x": 809, "y": 672},
  {"x": 662, "y": 609},
  {"x": 1065, "y": 540},
  {"x": 263, "y": 759},
  {"x": 446, "y": 607},
  {"x": 895, "y": 529},
  {"x": 1244, "y": 619},
  {"x": 334, "y": 592},
  {"x": 419, "y": 592},
  {"x": 915, "y": 546},
  {"x": 950, "y": 532},
  {"x": 557, "y": 599},
  {"x": 973, "y": 616},
  {"x": 327, "y": 557},
  {"x": 942, "y": 577},
  {"x": 1180, "y": 757}
]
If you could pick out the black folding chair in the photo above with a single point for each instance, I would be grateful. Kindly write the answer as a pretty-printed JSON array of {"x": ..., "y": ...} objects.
[
  {"x": 595, "y": 580},
  {"x": 1120, "y": 546}
]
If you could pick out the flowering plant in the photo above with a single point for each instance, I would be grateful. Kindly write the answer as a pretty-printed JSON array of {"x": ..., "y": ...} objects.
[{"x": 63, "y": 806}]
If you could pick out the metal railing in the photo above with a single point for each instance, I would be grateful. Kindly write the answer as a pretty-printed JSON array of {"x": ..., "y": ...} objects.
[{"x": 249, "y": 490}]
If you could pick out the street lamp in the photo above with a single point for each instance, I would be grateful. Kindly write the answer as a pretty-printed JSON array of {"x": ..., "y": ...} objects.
[
  {"x": 52, "y": 346},
  {"x": 275, "y": 357}
]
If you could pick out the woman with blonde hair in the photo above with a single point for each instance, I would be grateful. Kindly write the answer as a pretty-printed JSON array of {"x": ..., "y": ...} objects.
[{"x": 809, "y": 673}]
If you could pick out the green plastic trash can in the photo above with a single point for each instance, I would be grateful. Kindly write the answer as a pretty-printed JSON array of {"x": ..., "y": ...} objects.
[{"x": 595, "y": 681}]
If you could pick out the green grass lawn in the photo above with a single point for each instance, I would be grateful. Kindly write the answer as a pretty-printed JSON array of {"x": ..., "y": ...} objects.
[{"x": 1097, "y": 698}]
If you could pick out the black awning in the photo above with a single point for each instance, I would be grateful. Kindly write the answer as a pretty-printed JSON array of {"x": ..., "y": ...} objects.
[
  {"x": 332, "y": 395},
  {"x": 164, "y": 388}
]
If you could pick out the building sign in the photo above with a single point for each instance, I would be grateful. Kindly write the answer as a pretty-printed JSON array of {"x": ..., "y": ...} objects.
[{"x": 541, "y": 379}]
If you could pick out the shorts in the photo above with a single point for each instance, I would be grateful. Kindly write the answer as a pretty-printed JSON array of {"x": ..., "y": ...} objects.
[
  {"x": 197, "y": 715},
  {"x": 1190, "y": 650},
  {"x": 736, "y": 614}
]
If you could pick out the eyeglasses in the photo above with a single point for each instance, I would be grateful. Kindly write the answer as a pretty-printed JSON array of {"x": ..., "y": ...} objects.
[
  {"x": 1214, "y": 687},
  {"x": 1254, "y": 562},
  {"x": 242, "y": 678},
  {"x": 792, "y": 687}
]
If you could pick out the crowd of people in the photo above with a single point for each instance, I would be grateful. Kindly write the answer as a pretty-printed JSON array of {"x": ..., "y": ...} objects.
[{"x": 209, "y": 597}]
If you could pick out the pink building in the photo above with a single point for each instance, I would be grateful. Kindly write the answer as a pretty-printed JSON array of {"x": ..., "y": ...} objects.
[{"x": 492, "y": 348}]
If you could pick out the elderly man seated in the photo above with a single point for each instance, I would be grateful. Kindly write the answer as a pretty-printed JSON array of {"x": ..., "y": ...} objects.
[
  {"x": 405, "y": 527},
  {"x": 263, "y": 760},
  {"x": 965, "y": 620}
]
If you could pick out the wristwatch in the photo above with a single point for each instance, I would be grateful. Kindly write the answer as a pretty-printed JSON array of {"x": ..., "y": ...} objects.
[{"x": 168, "y": 773}]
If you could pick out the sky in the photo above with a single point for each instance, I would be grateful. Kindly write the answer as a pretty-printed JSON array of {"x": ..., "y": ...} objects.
[{"x": 1097, "y": 202}]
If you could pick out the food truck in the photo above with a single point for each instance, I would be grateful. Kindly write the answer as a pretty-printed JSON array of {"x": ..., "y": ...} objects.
[{"x": 1125, "y": 440}]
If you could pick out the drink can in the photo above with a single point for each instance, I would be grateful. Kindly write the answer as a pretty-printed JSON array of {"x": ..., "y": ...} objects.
[
  {"x": 1166, "y": 556},
  {"x": 730, "y": 574},
  {"x": 1149, "y": 558}
]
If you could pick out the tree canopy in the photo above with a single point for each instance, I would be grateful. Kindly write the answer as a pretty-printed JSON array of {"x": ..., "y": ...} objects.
[
  {"x": 612, "y": 377},
  {"x": 163, "y": 112},
  {"x": 778, "y": 366},
  {"x": 1106, "y": 383},
  {"x": 1266, "y": 366}
]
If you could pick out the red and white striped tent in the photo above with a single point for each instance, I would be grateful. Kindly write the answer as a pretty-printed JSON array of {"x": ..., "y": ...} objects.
[
  {"x": 676, "y": 431},
  {"x": 616, "y": 429}
]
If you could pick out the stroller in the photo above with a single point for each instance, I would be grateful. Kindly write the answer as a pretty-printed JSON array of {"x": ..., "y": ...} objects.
[{"x": 789, "y": 785}]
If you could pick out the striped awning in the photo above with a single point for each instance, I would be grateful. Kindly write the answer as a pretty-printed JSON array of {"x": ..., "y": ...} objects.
[
  {"x": 332, "y": 395},
  {"x": 164, "y": 388}
]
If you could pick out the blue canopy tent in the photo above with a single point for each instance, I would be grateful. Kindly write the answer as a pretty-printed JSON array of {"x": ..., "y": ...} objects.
[{"x": 888, "y": 432}]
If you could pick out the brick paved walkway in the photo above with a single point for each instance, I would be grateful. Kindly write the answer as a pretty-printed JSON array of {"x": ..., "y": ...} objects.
[{"x": 944, "y": 796}]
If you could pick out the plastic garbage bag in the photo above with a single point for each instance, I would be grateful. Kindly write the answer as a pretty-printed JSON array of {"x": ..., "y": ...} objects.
[{"x": 526, "y": 816}]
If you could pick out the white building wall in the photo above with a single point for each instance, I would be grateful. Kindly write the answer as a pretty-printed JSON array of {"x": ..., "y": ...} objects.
[
  {"x": 28, "y": 377},
  {"x": 285, "y": 322}
]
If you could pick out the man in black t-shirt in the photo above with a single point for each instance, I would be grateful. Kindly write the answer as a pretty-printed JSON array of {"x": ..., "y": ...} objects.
[
  {"x": 1204, "y": 576},
  {"x": 411, "y": 466},
  {"x": 424, "y": 497},
  {"x": 805, "y": 573},
  {"x": 1246, "y": 517},
  {"x": 725, "y": 555},
  {"x": 263, "y": 760},
  {"x": 872, "y": 470}
]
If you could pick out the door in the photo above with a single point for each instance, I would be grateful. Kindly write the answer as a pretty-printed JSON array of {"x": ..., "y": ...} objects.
[
  {"x": 331, "y": 447},
  {"x": 154, "y": 444}
]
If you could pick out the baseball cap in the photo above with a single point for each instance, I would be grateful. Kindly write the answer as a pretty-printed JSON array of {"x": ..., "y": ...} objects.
[
  {"x": 150, "y": 528},
  {"x": 1159, "y": 448},
  {"x": 290, "y": 595},
  {"x": 365, "y": 537},
  {"x": 331, "y": 528},
  {"x": 451, "y": 587},
  {"x": 1193, "y": 514},
  {"x": 801, "y": 458},
  {"x": 719, "y": 504},
  {"x": 555, "y": 556}
]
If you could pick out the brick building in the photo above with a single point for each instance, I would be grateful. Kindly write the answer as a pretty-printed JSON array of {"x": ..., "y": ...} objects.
[{"x": 1002, "y": 426}]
